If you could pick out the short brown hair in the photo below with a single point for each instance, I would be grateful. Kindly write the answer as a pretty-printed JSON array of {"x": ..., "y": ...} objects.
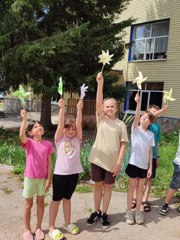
[
  {"x": 150, "y": 115},
  {"x": 154, "y": 106}
]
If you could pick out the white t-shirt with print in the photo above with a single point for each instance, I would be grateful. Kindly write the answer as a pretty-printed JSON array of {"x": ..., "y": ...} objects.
[
  {"x": 141, "y": 141},
  {"x": 68, "y": 156}
]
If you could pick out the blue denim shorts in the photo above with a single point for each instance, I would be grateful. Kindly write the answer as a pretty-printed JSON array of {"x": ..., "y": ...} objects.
[{"x": 175, "y": 183}]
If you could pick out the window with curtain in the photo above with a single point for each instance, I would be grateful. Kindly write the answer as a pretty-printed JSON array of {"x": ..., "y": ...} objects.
[
  {"x": 149, "y": 41},
  {"x": 151, "y": 93}
]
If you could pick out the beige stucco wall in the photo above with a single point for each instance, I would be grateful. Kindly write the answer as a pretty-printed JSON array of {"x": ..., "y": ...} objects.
[{"x": 167, "y": 70}]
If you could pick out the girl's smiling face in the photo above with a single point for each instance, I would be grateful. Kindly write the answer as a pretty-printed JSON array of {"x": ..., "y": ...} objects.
[
  {"x": 144, "y": 120},
  {"x": 70, "y": 131},
  {"x": 110, "y": 107}
]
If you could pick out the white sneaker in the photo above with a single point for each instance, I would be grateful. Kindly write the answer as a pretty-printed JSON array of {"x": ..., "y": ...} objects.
[
  {"x": 139, "y": 217},
  {"x": 130, "y": 217}
]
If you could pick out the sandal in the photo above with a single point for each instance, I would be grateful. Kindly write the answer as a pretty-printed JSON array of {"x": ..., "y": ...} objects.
[
  {"x": 71, "y": 228},
  {"x": 39, "y": 234},
  {"x": 133, "y": 206},
  {"x": 56, "y": 235},
  {"x": 27, "y": 235},
  {"x": 146, "y": 206}
]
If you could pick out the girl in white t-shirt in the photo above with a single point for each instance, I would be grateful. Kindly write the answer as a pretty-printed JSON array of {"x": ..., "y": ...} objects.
[
  {"x": 68, "y": 138},
  {"x": 140, "y": 163}
]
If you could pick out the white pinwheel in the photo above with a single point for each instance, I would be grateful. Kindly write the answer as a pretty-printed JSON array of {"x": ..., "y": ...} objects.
[
  {"x": 83, "y": 90},
  {"x": 139, "y": 80},
  {"x": 168, "y": 96},
  {"x": 105, "y": 58}
]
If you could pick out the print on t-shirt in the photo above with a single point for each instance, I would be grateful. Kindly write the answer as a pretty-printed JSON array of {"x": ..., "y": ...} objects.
[{"x": 69, "y": 148}]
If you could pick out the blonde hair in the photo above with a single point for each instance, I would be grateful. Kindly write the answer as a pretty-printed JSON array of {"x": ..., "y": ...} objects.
[{"x": 105, "y": 99}]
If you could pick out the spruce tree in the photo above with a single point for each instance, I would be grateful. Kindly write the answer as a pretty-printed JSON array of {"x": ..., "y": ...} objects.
[{"x": 41, "y": 40}]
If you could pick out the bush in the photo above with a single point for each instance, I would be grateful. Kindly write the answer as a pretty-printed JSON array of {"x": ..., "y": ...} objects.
[
  {"x": 84, "y": 154},
  {"x": 2, "y": 114},
  {"x": 12, "y": 155},
  {"x": 168, "y": 149}
]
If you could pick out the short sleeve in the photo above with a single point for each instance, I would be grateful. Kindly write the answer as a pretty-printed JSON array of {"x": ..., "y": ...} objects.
[
  {"x": 51, "y": 149},
  {"x": 124, "y": 135},
  {"x": 25, "y": 145}
]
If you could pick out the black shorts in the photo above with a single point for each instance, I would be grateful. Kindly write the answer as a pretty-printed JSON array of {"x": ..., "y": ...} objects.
[
  {"x": 135, "y": 172},
  {"x": 99, "y": 174},
  {"x": 64, "y": 186}
]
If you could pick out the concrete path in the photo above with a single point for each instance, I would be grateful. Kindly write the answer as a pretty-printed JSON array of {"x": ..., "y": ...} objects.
[{"x": 156, "y": 227}]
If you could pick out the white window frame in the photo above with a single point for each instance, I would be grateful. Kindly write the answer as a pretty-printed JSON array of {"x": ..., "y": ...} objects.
[
  {"x": 127, "y": 102},
  {"x": 152, "y": 47}
]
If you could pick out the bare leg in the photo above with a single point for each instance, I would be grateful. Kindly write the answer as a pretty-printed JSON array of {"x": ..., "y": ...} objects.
[
  {"x": 169, "y": 195},
  {"x": 40, "y": 210},
  {"x": 67, "y": 211},
  {"x": 139, "y": 192},
  {"x": 98, "y": 195},
  {"x": 147, "y": 189},
  {"x": 28, "y": 203},
  {"x": 53, "y": 210},
  {"x": 106, "y": 197},
  {"x": 131, "y": 189}
]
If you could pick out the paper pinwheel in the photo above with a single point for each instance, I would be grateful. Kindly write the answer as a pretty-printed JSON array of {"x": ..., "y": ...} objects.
[
  {"x": 21, "y": 94},
  {"x": 168, "y": 96},
  {"x": 139, "y": 80},
  {"x": 60, "y": 86},
  {"x": 105, "y": 58},
  {"x": 83, "y": 90}
]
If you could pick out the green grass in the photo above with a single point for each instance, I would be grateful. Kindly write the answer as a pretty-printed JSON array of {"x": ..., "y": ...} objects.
[
  {"x": 168, "y": 149},
  {"x": 11, "y": 153},
  {"x": 83, "y": 188},
  {"x": 7, "y": 190}
]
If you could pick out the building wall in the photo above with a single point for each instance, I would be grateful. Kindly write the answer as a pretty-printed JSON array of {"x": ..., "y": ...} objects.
[{"x": 167, "y": 71}]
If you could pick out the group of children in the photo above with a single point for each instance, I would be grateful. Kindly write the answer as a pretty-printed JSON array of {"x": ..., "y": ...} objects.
[{"x": 106, "y": 158}]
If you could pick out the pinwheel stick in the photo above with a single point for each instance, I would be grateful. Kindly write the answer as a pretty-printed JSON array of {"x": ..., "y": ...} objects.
[
  {"x": 102, "y": 67},
  {"x": 23, "y": 104}
]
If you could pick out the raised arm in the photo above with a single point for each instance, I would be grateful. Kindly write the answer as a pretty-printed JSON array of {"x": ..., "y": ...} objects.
[
  {"x": 79, "y": 119},
  {"x": 60, "y": 127},
  {"x": 137, "y": 114},
  {"x": 99, "y": 94},
  {"x": 22, "y": 132},
  {"x": 161, "y": 111}
]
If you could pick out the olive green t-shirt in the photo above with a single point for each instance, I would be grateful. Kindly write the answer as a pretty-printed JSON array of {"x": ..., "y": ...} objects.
[{"x": 105, "y": 150}]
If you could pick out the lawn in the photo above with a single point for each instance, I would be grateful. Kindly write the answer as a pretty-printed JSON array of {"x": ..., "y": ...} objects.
[{"x": 11, "y": 153}]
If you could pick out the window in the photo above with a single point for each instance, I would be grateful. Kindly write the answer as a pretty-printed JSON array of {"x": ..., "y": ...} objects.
[
  {"x": 151, "y": 93},
  {"x": 149, "y": 41}
]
